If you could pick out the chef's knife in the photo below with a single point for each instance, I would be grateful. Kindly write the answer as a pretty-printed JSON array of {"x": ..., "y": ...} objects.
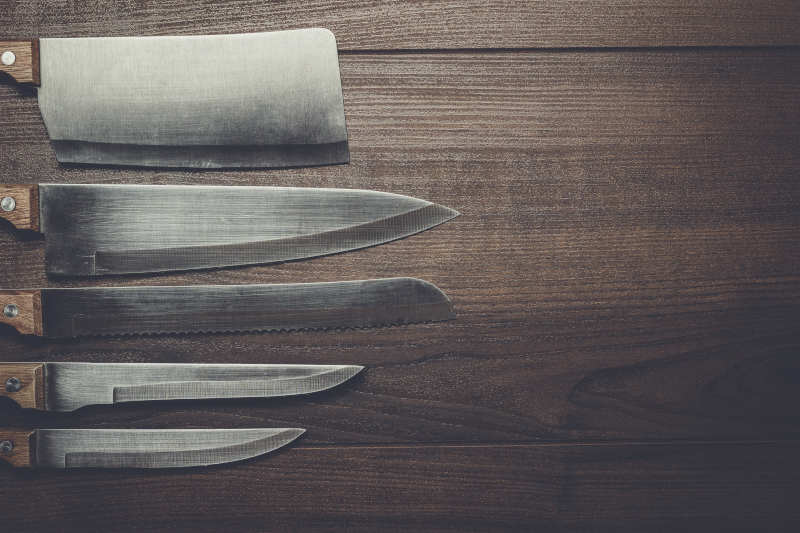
[
  {"x": 70, "y": 386},
  {"x": 76, "y": 312},
  {"x": 250, "y": 100},
  {"x": 138, "y": 448},
  {"x": 121, "y": 229}
]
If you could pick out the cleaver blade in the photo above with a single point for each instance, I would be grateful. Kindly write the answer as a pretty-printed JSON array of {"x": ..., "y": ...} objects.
[{"x": 257, "y": 100}]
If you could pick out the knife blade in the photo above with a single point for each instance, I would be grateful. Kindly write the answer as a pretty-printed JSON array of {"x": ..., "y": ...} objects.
[
  {"x": 138, "y": 448},
  {"x": 93, "y": 230},
  {"x": 70, "y": 386},
  {"x": 247, "y": 100},
  {"x": 59, "y": 313}
]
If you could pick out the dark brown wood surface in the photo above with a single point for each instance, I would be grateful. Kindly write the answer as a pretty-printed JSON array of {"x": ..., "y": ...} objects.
[{"x": 626, "y": 272}]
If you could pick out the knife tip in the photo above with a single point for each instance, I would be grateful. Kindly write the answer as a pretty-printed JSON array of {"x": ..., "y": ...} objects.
[{"x": 293, "y": 433}]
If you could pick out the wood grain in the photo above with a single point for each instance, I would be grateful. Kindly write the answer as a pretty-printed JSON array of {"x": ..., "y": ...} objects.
[
  {"x": 23, "y": 449},
  {"x": 31, "y": 394},
  {"x": 26, "y": 67},
  {"x": 607, "y": 487},
  {"x": 28, "y": 307},
  {"x": 450, "y": 24},
  {"x": 26, "y": 211},
  {"x": 625, "y": 265},
  {"x": 624, "y": 271}
]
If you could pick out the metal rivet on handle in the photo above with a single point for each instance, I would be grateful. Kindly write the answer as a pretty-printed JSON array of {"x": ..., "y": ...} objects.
[
  {"x": 6, "y": 446},
  {"x": 8, "y": 58},
  {"x": 11, "y": 311},
  {"x": 8, "y": 204},
  {"x": 13, "y": 384}
]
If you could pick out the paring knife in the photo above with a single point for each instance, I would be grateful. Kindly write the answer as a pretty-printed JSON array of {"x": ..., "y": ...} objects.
[
  {"x": 250, "y": 100},
  {"x": 222, "y": 308},
  {"x": 70, "y": 386},
  {"x": 121, "y": 229},
  {"x": 138, "y": 448}
]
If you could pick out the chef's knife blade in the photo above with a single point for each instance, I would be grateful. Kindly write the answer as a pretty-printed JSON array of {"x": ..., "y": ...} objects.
[
  {"x": 70, "y": 386},
  {"x": 248, "y": 100},
  {"x": 95, "y": 230},
  {"x": 138, "y": 448},
  {"x": 76, "y": 312}
]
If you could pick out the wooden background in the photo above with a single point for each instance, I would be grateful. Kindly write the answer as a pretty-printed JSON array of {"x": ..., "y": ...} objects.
[{"x": 626, "y": 272}]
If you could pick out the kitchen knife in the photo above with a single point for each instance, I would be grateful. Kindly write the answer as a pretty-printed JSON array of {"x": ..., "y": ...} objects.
[
  {"x": 70, "y": 386},
  {"x": 121, "y": 229},
  {"x": 76, "y": 312},
  {"x": 138, "y": 448},
  {"x": 250, "y": 100}
]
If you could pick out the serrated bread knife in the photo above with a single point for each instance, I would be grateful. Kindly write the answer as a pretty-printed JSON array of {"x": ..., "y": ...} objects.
[
  {"x": 133, "y": 310},
  {"x": 138, "y": 448},
  {"x": 70, "y": 386},
  {"x": 249, "y": 100},
  {"x": 93, "y": 230}
]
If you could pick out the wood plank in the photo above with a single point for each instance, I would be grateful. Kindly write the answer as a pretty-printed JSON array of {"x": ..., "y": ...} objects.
[
  {"x": 450, "y": 24},
  {"x": 625, "y": 265},
  {"x": 613, "y": 487}
]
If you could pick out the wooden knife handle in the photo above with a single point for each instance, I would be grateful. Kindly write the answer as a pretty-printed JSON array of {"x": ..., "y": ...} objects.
[
  {"x": 24, "y": 384},
  {"x": 22, "y": 310},
  {"x": 18, "y": 446},
  {"x": 19, "y": 204},
  {"x": 20, "y": 60}
]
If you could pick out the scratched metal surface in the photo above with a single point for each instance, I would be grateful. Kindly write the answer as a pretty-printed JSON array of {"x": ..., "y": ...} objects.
[
  {"x": 70, "y": 386},
  {"x": 141, "y": 448},
  {"x": 115, "y": 229},
  {"x": 625, "y": 272},
  {"x": 116, "y": 100},
  {"x": 209, "y": 309}
]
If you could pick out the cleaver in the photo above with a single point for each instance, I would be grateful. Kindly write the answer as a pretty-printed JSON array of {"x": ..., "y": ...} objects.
[
  {"x": 94, "y": 230},
  {"x": 265, "y": 100}
]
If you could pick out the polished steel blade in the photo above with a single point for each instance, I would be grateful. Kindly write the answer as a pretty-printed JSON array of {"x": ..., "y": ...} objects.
[
  {"x": 249, "y": 100},
  {"x": 155, "y": 448},
  {"x": 219, "y": 308},
  {"x": 74, "y": 385},
  {"x": 121, "y": 229}
]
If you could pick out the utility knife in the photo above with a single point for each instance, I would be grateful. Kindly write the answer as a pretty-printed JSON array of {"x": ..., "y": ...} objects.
[
  {"x": 138, "y": 448},
  {"x": 93, "y": 230},
  {"x": 74, "y": 312},
  {"x": 70, "y": 386},
  {"x": 247, "y": 100}
]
